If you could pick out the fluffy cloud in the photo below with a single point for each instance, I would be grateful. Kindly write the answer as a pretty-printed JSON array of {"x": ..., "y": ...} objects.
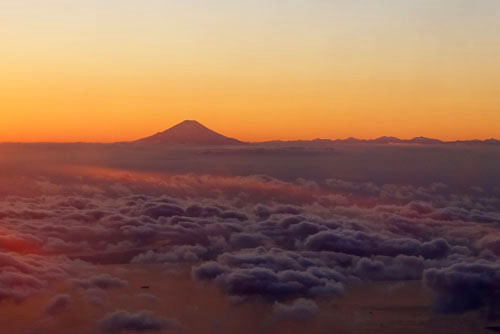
[{"x": 253, "y": 236}]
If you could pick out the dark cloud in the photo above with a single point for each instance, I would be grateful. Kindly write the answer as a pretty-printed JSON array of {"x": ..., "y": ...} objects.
[
  {"x": 209, "y": 270},
  {"x": 402, "y": 267},
  {"x": 164, "y": 210},
  {"x": 366, "y": 244},
  {"x": 274, "y": 275},
  {"x": 465, "y": 286},
  {"x": 266, "y": 283},
  {"x": 233, "y": 215},
  {"x": 143, "y": 321}
]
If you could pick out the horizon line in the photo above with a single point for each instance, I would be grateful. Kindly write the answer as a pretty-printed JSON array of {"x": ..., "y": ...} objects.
[
  {"x": 350, "y": 140},
  {"x": 333, "y": 140}
]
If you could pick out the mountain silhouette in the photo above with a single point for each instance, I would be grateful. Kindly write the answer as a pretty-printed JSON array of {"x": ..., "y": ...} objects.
[
  {"x": 190, "y": 132},
  {"x": 193, "y": 133}
]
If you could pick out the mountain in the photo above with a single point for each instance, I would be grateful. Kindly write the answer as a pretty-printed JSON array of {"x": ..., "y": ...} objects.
[
  {"x": 350, "y": 140},
  {"x": 386, "y": 140},
  {"x": 189, "y": 133},
  {"x": 424, "y": 141}
]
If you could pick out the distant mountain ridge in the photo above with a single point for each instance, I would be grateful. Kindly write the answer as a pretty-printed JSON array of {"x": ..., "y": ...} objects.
[
  {"x": 382, "y": 141},
  {"x": 191, "y": 132}
]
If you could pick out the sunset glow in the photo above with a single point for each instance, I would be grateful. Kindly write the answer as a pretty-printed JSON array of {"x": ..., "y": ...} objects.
[
  {"x": 105, "y": 71},
  {"x": 249, "y": 166}
]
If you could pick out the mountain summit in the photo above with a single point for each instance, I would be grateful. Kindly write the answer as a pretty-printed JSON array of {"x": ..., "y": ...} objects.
[{"x": 190, "y": 132}]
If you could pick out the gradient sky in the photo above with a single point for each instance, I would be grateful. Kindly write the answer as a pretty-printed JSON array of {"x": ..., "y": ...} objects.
[{"x": 108, "y": 70}]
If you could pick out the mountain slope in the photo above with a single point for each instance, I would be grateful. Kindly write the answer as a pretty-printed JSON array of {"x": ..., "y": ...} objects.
[{"x": 190, "y": 132}]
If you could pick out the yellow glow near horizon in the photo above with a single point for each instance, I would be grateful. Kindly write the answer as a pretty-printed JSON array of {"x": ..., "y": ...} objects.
[{"x": 113, "y": 70}]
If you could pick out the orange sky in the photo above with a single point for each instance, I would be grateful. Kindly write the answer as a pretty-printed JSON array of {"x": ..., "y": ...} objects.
[{"x": 114, "y": 70}]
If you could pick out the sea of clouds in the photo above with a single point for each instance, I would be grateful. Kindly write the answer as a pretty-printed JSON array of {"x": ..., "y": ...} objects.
[{"x": 289, "y": 243}]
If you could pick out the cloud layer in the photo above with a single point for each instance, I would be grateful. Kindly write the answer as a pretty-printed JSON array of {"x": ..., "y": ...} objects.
[{"x": 253, "y": 237}]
